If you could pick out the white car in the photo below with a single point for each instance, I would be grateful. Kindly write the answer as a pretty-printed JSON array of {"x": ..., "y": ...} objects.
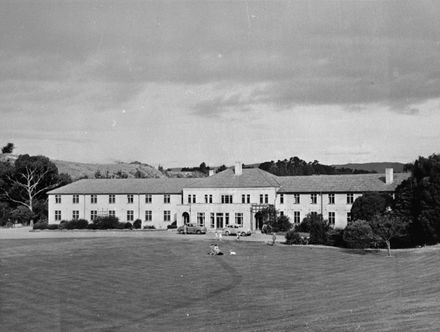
[{"x": 236, "y": 229}]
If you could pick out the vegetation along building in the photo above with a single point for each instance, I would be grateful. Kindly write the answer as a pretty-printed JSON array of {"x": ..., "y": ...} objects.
[{"x": 233, "y": 196}]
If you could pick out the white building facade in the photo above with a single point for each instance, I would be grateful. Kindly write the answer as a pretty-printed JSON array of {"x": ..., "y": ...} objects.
[{"x": 229, "y": 197}]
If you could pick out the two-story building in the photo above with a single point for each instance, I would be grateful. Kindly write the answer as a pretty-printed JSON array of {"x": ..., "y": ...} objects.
[{"x": 233, "y": 196}]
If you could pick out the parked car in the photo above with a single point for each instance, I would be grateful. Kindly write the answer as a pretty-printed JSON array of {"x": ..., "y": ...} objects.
[
  {"x": 191, "y": 229},
  {"x": 236, "y": 229}
]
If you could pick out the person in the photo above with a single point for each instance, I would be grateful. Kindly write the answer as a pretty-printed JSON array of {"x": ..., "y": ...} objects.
[
  {"x": 220, "y": 235},
  {"x": 274, "y": 238},
  {"x": 185, "y": 229},
  {"x": 264, "y": 229},
  {"x": 238, "y": 236},
  {"x": 217, "y": 250},
  {"x": 214, "y": 250}
]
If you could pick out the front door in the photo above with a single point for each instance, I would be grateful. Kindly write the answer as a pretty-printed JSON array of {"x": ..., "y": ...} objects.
[
  {"x": 219, "y": 220},
  {"x": 185, "y": 216}
]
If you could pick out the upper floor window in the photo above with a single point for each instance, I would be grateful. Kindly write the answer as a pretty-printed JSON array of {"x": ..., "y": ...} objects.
[
  {"x": 210, "y": 199},
  {"x": 261, "y": 198},
  {"x": 313, "y": 198},
  {"x": 331, "y": 218},
  {"x": 57, "y": 215},
  {"x": 243, "y": 198},
  {"x": 350, "y": 198},
  {"x": 111, "y": 199},
  {"x": 93, "y": 199},
  {"x": 296, "y": 217},
  {"x": 148, "y": 198},
  {"x": 130, "y": 199},
  {"x": 296, "y": 199},
  {"x": 75, "y": 199},
  {"x": 248, "y": 198},
  {"x": 282, "y": 199},
  {"x": 206, "y": 199},
  {"x": 226, "y": 199},
  {"x": 189, "y": 199},
  {"x": 331, "y": 198},
  {"x": 57, "y": 199},
  {"x": 166, "y": 198},
  {"x": 266, "y": 198}
]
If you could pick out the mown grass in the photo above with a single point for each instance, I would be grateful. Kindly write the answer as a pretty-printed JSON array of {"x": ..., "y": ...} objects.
[{"x": 161, "y": 285}]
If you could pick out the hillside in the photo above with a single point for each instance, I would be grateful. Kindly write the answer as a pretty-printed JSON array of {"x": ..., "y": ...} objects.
[{"x": 378, "y": 167}]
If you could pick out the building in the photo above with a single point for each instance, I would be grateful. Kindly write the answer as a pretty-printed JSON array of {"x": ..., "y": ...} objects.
[{"x": 233, "y": 196}]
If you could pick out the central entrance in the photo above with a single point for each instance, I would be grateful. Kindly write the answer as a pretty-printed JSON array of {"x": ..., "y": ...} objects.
[
  {"x": 185, "y": 216},
  {"x": 219, "y": 220}
]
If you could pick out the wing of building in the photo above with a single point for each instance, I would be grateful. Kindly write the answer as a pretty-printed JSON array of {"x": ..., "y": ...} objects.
[{"x": 229, "y": 197}]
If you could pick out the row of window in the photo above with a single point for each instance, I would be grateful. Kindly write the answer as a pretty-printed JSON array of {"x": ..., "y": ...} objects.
[
  {"x": 225, "y": 199},
  {"x": 331, "y": 217},
  {"x": 112, "y": 213}
]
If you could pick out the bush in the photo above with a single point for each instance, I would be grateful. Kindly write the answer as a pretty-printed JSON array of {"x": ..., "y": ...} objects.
[
  {"x": 91, "y": 226},
  {"x": 305, "y": 225},
  {"x": 63, "y": 224},
  {"x": 137, "y": 224},
  {"x": 128, "y": 225},
  {"x": 149, "y": 227},
  {"x": 282, "y": 224},
  {"x": 293, "y": 237},
  {"x": 358, "y": 235},
  {"x": 107, "y": 222},
  {"x": 172, "y": 226},
  {"x": 52, "y": 226},
  {"x": 318, "y": 231},
  {"x": 10, "y": 225},
  {"x": 40, "y": 225},
  {"x": 77, "y": 224},
  {"x": 335, "y": 238}
]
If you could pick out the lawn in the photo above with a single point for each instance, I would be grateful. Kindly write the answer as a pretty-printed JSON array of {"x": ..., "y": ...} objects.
[{"x": 154, "y": 284}]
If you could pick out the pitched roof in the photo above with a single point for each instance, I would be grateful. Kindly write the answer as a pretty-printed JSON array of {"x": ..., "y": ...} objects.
[
  {"x": 339, "y": 183},
  {"x": 125, "y": 186},
  {"x": 250, "y": 178}
]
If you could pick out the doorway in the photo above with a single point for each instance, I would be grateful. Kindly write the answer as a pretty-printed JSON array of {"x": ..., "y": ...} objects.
[
  {"x": 219, "y": 220},
  {"x": 185, "y": 216}
]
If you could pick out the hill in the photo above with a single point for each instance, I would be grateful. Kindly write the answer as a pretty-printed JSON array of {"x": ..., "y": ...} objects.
[{"x": 378, "y": 167}]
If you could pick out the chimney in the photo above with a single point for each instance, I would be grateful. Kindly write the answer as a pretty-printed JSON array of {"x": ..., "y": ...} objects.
[
  {"x": 389, "y": 176},
  {"x": 237, "y": 169},
  {"x": 211, "y": 172}
]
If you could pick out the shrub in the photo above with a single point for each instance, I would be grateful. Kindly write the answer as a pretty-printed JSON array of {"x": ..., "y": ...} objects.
[
  {"x": 52, "y": 226},
  {"x": 318, "y": 231},
  {"x": 172, "y": 226},
  {"x": 10, "y": 225},
  {"x": 40, "y": 225},
  {"x": 293, "y": 237},
  {"x": 63, "y": 224},
  {"x": 120, "y": 225},
  {"x": 282, "y": 224},
  {"x": 137, "y": 224},
  {"x": 128, "y": 225},
  {"x": 107, "y": 222},
  {"x": 77, "y": 224},
  {"x": 358, "y": 235},
  {"x": 335, "y": 238},
  {"x": 149, "y": 227},
  {"x": 91, "y": 226},
  {"x": 305, "y": 225}
]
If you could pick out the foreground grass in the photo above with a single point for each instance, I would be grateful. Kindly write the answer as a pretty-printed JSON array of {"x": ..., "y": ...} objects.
[{"x": 157, "y": 284}]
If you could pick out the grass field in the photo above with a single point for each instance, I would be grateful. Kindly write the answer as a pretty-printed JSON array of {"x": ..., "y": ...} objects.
[{"x": 161, "y": 285}]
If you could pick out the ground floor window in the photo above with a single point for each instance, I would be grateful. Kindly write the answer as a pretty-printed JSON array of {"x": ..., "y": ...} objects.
[
  {"x": 112, "y": 213},
  {"x": 226, "y": 219},
  {"x": 296, "y": 217},
  {"x": 130, "y": 215},
  {"x": 75, "y": 214},
  {"x": 201, "y": 219},
  {"x": 93, "y": 215},
  {"x": 166, "y": 215},
  {"x": 57, "y": 215},
  {"x": 239, "y": 219},
  {"x": 348, "y": 217},
  {"x": 148, "y": 215},
  {"x": 212, "y": 220},
  {"x": 331, "y": 218}
]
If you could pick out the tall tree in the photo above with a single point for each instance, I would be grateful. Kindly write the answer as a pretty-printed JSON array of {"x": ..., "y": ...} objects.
[
  {"x": 370, "y": 204},
  {"x": 8, "y": 148}
]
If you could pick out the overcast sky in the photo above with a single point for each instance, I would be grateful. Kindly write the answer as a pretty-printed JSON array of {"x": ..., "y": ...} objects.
[{"x": 178, "y": 83}]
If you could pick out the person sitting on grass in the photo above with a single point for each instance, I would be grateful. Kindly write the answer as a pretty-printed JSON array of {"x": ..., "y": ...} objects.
[{"x": 214, "y": 250}]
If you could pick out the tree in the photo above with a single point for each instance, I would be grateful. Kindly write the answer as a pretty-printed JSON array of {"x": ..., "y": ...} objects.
[
  {"x": 8, "y": 148},
  {"x": 29, "y": 180},
  {"x": 305, "y": 224},
  {"x": 318, "y": 230},
  {"x": 386, "y": 227},
  {"x": 370, "y": 204},
  {"x": 221, "y": 169},
  {"x": 358, "y": 234},
  {"x": 268, "y": 215}
]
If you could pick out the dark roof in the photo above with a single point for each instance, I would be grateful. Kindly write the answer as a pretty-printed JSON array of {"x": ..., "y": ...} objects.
[
  {"x": 339, "y": 183},
  {"x": 250, "y": 178},
  {"x": 125, "y": 186}
]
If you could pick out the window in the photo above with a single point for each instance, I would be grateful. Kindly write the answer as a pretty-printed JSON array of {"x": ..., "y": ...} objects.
[
  {"x": 194, "y": 199},
  {"x": 130, "y": 215},
  {"x": 313, "y": 213},
  {"x": 57, "y": 199},
  {"x": 93, "y": 199},
  {"x": 296, "y": 217},
  {"x": 111, "y": 199},
  {"x": 206, "y": 199},
  {"x": 282, "y": 199},
  {"x": 331, "y": 218},
  {"x": 266, "y": 198},
  {"x": 148, "y": 216},
  {"x": 348, "y": 217},
  {"x": 226, "y": 218},
  {"x": 212, "y": 220},
  {"x": 296, "y": 199},
  {"x": 239, "y": 219},
  {"x": 130, "y": 199},
  {"x": 112, "y": 213},
  {"x": 166, "y": 199},
  {"x": 201, "y": 219},
  {"x": 226, "y": 199},
  {"x": 281, "y": 213},
  {"x": 331, "y": 198},
  {"x": 248, "y": 198},
  {"x": 148, "y": 198},
  {"x": 243, "y": 198},
  {"x": 261, "y": 199},
  {"x": 75, "y": 214},
  {"x": 210, "y": 199},
  {"x": 93, "y": 215},
  {"x": 350, "y": 198},
  {"x": 166, "y": 215},
  {"x": 189, "y": 199},
  {"x": 57, "y": 215},
  {"x": 75, "y": 199},
  {"x": 313, "y": 198}
]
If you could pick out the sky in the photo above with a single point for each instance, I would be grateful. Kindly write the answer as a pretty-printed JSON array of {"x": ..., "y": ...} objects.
[{"x": 179, "y": 83}]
